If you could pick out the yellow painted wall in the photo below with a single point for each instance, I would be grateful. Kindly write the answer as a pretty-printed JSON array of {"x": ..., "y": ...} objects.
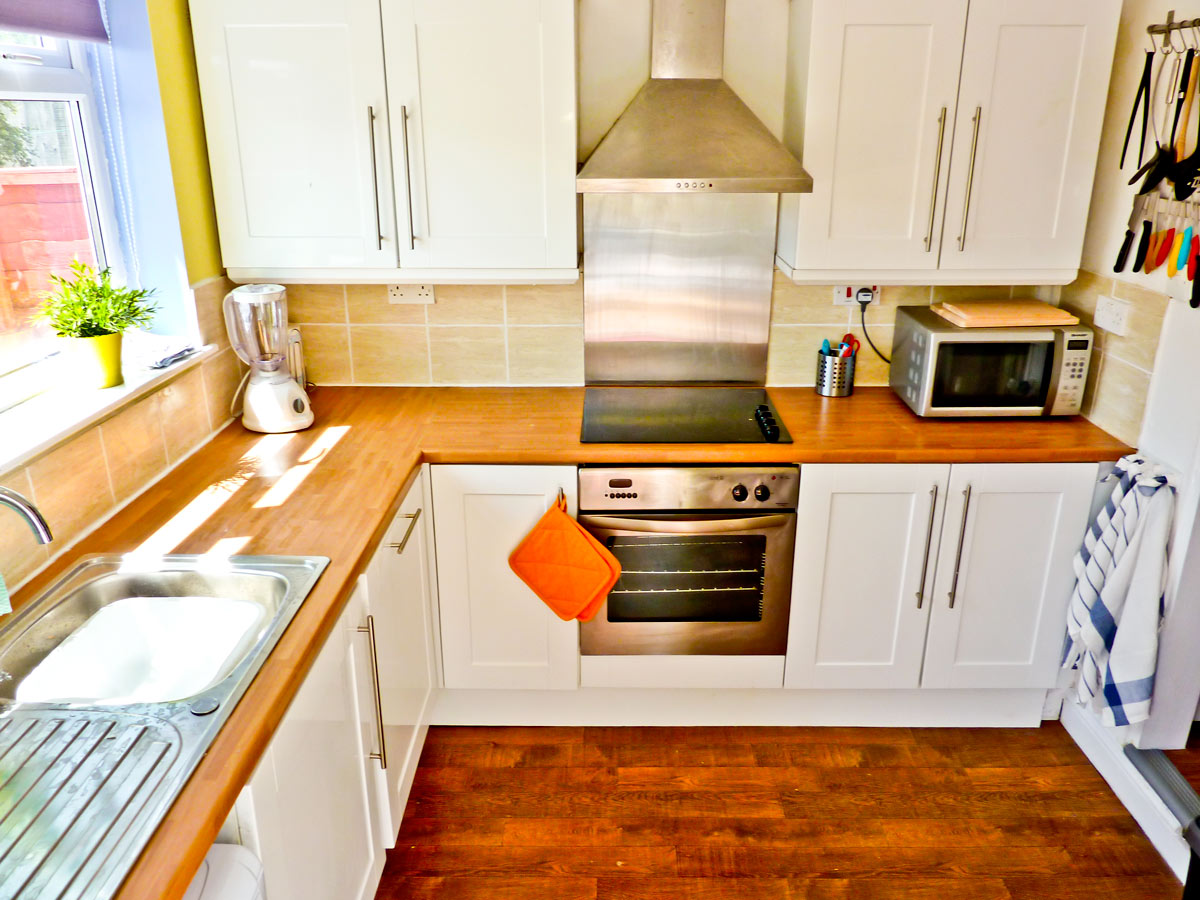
[{"x": 171, "y": 30}]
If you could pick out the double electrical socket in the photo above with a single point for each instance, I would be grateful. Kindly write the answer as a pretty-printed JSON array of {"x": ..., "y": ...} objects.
[
  {"x": 1112, "y": 314},
  {"x": 410, "y": 293},
  {"x": 847, "y": 294}
]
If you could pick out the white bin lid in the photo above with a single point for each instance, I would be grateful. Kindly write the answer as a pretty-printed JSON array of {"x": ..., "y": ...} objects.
[{"x": 229, "y": 872}]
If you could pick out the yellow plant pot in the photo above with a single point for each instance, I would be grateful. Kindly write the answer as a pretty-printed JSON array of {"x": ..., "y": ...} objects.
[{"x": 96, "y": 361}]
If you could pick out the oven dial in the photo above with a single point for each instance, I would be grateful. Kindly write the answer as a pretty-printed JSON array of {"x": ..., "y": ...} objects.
[
  {"x": 740, "y": 493},
  {"x": 762, "y": 493}
]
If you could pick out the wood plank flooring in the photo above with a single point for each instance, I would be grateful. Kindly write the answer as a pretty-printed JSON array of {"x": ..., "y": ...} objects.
[{"x": 765, "y": 814}]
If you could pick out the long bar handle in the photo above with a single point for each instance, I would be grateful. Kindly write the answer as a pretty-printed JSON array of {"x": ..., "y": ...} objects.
[
  {"x": 369, "y": 630},
  {"x": 962, "y": 534},
  {"x": 975, "y": 120},
  {"x": 937, "y": 174},
  {"x": 692, "y": 526},
  {"x": 412, "y": 523},
  {"x": 412, "y": 236},
  {"x": 374, "y": 176},
  {"x": 933, "y": 492}
]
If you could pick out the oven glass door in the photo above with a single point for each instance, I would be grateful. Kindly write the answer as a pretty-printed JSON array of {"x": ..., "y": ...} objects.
[
  {"x": 992, "y": 375},
  {"x": 694, "y": 584}
]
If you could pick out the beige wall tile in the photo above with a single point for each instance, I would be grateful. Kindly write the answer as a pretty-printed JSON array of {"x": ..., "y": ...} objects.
[
  {"x": 327, "y": 353},
  {"x": 20, "y": 554},
  {"x": 134, "y": 445},
  {"x": 71, "y": 486},
  {"x": 320, "y": 303},
  {"x": 389, "y": 354},
  {"x": 1120, "y": 399},
  {"x": 1089, "y": 387},
  {"x": 804, "y": 304},
  {"x": 209, "y": 297},
  {"x": 904, "y": 295},
  {"x": 546, "y": 355},
  {"x": 467, "y": 304},
  {"x": 545, "y": 304},
  {"x": 468, "y": 355},
  {"x": 1140, "y": 345},
  {"x": 222, "y": 375},
  {"x": 869, "y": 369},
  {"x": 792, "y": 354},
  {"x": 1080, "y": 295},
  {"x": 368, "y": 305},
  {"x": 951, "y": 292},
  {"x": 185, "y": 420}
]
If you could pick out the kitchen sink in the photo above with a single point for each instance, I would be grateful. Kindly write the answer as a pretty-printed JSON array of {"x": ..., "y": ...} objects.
[{"x": 113, "y": 683}]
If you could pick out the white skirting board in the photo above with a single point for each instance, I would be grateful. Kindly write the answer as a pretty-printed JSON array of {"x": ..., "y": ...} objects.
[
  {"x": 681, "y": 671},
  {"x": 1104, "y": 752},
  {"x": 633, "y": 706}
]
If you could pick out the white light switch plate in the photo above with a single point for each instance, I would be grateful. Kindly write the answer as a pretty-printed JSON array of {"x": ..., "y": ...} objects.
[
  {"x": 1112, "y": 314},
  {"x": 845, "y": 294},
  {"x": 410, "y": 293}
]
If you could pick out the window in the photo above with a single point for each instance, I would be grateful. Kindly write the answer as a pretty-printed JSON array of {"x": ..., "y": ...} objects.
[{"x": 53, "y": 196}]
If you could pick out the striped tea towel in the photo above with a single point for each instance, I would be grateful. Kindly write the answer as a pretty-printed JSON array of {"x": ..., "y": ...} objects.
[{"x": 1117, "y": 603}]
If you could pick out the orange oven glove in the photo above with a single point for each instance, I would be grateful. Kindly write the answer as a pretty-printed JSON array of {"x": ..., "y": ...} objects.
[{"x": 566, "y": 567}]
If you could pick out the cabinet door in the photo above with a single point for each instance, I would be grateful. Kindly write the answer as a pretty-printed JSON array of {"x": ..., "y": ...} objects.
[
  {"x": 878, "y": 125},
  {"x": 398, "y": 586},
  {"x": 299, "y": 167},
  {"x": 496, "y": 633},
  {"x": 482, "y": 95},
  {"x": 310, "y": 793},
  {"x": 1030, "y": 108},
  {"x": 866, "y": 542},
  {"x": 1004, "y": 574}
]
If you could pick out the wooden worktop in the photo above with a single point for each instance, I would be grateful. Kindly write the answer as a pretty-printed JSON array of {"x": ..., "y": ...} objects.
[{"x": 333, "y": 489}]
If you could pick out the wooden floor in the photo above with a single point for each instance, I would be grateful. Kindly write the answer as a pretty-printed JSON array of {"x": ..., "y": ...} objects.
[{"x": 765, "y": 814}]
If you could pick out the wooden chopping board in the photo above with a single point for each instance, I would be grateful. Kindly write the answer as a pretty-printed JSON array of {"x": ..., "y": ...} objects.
[{"x": 999, "y": 313}]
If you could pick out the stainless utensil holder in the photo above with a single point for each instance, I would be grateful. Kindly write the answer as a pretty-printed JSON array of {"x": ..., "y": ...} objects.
[{"x": 835, "y": 375}]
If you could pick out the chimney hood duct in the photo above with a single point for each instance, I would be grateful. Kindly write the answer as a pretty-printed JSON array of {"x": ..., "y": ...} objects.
[{"x": 686, "y": 131}]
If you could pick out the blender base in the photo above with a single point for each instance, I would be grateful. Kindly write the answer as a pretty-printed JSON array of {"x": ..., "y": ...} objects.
[{"x": 275, "y": 406}]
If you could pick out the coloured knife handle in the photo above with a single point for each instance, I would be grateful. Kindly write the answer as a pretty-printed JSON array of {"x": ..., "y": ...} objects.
[
  {"x": 1123, "y": 253},
  {"x": 1143, "y": 249},
  {"x": 1173, "y": 256}
]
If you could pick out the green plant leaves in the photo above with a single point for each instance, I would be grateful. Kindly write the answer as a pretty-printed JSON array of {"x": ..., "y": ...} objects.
[{"x": 89, "y": 305}]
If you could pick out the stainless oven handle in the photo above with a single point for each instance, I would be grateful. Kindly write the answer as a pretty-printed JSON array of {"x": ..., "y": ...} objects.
[{"x": 687, "y": 526}]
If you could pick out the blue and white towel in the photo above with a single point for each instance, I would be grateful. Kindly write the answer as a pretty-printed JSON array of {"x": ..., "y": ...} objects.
[{"x": 1117, "y": 605}]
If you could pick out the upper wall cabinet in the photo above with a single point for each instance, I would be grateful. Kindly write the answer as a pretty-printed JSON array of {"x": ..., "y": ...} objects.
[
  {"x": 454, "y": 160},
  {"x": 946, "y": 145}
]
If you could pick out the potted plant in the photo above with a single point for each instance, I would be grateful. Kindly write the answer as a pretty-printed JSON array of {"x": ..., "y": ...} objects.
[{"x": 92, "y": 312}]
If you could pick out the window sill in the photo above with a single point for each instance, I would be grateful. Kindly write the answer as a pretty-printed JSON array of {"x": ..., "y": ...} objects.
[{"x": 49, "y": 419}]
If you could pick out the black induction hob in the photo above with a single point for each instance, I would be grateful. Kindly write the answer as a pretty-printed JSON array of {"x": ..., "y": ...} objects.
[{"x": 680, "y": 415}]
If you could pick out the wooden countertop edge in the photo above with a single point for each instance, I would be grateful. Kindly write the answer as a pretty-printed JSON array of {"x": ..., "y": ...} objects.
[{"x": 174, "y": 853}]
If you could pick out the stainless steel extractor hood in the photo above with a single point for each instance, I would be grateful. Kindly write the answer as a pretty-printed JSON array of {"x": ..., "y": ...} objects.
[{"x": 686, "y": 130}]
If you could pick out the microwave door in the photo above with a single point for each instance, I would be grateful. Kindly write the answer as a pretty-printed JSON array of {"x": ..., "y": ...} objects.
[{"x": 1000, "y": 377}]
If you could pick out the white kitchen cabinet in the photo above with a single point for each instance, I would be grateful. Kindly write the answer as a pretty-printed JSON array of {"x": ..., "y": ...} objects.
[
  {"x": 1004, "y": 574},
  {"x": 482, "y": 96},
  {"x": 878, "y": 549},
  {"x": 495, "y": 632},
  {"x": 861, "y": 578},
  {"x": 307, "y": 812},
  {"x": 296, "y": 116},
  {"x": 946, "y": 145},
  {"x": 399, "y": 589}
]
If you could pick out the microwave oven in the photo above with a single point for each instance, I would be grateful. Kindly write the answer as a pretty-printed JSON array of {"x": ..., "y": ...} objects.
[{"x": 940, "y": 369}]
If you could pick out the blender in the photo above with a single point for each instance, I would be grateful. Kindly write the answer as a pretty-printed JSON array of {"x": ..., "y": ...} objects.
[{"x": 256, "y": 318}]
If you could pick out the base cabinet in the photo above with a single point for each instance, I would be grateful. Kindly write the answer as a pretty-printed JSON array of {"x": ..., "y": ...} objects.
[
  {"x": 934, "y": 576},
  {"x": 495, "y": 632}
]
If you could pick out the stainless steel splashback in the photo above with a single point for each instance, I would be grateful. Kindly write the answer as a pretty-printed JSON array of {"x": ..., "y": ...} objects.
[{"x": 677, "y": 287}]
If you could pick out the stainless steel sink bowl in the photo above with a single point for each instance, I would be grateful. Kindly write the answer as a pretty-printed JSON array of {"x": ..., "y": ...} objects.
[{"x": 85, "y": 781}]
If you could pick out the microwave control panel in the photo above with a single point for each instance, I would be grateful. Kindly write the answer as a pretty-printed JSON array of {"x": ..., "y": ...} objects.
[{"x": 1072, "y": 374}]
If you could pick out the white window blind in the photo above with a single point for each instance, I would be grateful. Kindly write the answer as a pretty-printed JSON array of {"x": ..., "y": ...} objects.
[{"x": 79, "y": 20}]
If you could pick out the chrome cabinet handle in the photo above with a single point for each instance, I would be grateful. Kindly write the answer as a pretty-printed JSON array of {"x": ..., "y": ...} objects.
[
  {"x": 412, "y": 236},
  {"x": 369, "y": 630},
  {"x": 933, "y": 492},
  {"x": 937, "y": 174},
  {"x": 975, "y": 120},
  {"x": 374, "y": 176},
  {"x": 962, "y": 534},
  {"x": 412, "y": 523}
]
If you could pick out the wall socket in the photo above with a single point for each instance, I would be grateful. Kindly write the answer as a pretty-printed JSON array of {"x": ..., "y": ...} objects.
[
  {"x": 410, "y": 293},
  {"x": 1112, "y": 314},
  {"x": 846, "y": 294}
]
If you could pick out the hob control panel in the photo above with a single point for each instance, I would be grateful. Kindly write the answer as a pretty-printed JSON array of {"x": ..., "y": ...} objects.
[{"x": 670, "y": 489}]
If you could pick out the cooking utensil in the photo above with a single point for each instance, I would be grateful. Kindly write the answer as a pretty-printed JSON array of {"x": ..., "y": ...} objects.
[
  {"x": 1141, "y": 101},
  {"x": 851, "y": 342}
]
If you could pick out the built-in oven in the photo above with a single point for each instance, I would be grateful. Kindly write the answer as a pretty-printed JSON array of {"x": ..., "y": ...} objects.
[{"x": 706, "y": 558}]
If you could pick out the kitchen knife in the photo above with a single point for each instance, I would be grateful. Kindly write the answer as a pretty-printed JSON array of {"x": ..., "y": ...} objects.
[{"x": 1139, "y": 204}]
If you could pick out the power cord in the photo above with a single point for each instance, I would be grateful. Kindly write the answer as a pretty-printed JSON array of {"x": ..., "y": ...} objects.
[{"x": 862, "y": 308}]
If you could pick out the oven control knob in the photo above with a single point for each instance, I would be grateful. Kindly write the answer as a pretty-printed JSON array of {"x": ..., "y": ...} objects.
[
  {"x": 762, "y": 493},
  {"x": 740, "y": 493}
]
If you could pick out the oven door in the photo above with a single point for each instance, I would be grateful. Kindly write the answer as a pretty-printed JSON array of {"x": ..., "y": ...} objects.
[{"x": 703, "y": 584}]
